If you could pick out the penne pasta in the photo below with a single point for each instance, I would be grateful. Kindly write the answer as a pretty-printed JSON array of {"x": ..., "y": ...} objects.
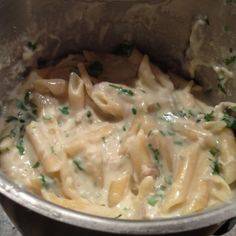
[{"x": 111, "y": 134}]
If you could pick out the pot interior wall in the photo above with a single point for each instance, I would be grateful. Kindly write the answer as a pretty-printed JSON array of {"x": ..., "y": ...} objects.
[{"x": 160, "y": 28}]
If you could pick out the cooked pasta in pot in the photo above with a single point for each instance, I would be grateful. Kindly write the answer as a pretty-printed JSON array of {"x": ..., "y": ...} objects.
[{"x": 112, "y": 135}]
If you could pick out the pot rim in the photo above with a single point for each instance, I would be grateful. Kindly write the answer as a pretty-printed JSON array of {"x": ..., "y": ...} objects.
[{"x": 156, "y": 226}]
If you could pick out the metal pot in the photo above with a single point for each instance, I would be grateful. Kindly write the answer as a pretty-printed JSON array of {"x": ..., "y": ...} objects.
[{"x": 164, "y": 30}]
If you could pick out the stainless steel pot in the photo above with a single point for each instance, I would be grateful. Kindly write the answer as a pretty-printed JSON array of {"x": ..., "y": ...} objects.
[{"x": 161, "y": 28}]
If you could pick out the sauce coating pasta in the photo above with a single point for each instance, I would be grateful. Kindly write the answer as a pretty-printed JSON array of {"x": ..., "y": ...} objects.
[{"x": 112, "y": 135}]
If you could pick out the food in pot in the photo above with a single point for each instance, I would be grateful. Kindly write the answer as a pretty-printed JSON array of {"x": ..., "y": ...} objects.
[{"x": 113, "y": 135}]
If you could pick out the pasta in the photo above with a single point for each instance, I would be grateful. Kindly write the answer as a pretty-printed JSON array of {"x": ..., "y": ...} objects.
[{"x": 113, "y": 135}]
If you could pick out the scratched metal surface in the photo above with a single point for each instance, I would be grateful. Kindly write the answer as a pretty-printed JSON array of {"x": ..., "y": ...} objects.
[{"x": 7, "y": 228}]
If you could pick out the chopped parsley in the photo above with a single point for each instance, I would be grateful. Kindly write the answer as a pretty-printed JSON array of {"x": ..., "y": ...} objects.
[
  {"x": 124, "y": 49},
  {"x": 122, "y": 90},
  {"x": 64, "y": 110},
  {"x": 32, "y": 46},
  {"x": 214, "y": 152},
  {"x": 36, "y": 165},
  {"x": 178, "y": 142},
  {"x": 78, "y": 163},
  {"x": 95, "y": 69},
  {"x": 233, "y": 108},
  {"x": 46, "y": 181},
  {"x": 216, "y": 165},
  {"x": 221, "y": 87},
  {"x": 230, "y": 60},
  {"x": 152, "y": 200},
  {"x": 89, "y": 114},
  {"x": 184, "y": 114},
  {"x": 171, "y": 132},
  {"x": 134, "y": 111},
  {"x": 20, "y": 143},
  {"x": 11, "y": 119},
  {"x": 230, "y": 121},
  {"x": 162, "y": 133},
  {"x": 21, "y": 105},
  {"x": 13, "y": 132},
  {"x": 47, "y": 117},
  {"x": 124, "y": 128},
  {"x": 209, "y": 116},
  {"x": 20, "y": 146},
  {"x": 155, "y": 153}
]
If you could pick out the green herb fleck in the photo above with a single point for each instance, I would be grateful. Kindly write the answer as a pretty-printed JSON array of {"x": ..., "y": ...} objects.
[
  {"x": 152, "y": 200},
  {"x": 20, "y": 147},
  {"x": 28, "y": 97},
  {"x": 95, "y": 69},
  {"x": 177, "y": 142},
  {"x": 221, "y": 87},
  {"x": 155, "y": 153},
  {"x": 21, "y": 105},
  {"x": 122, "y": 90},
  {"x": 171, "y": 132},
  {"x": 64, "y": 110},
  {"x": 230, "y": 121},
  {"x": 214, "y": 152},
  {"x": 32, "y": 46},
  {"x": 47, "y": 117},
  {"x": 22, "y": 118},
  {"x": 13, "y": 133},
  {"x": 89, "y": 114},
  {"x": 162, "y": 133},
  {"x": 209, "y": 116},
  {"x": 124, "y": 128},
  {"x": 78, "y": 163},
  {"x": 230, "y": 60},
  {"x": 11, "y": 119},
  {"x": 162, "y": 187},
  {"x": 46, "y": 181},
  {"x": 216, "y": 165},
  {"x": 233, "y": 108},
  {"x": 36, "y": 165},
  {"x": 124, "y": 49},
  {"x": 126, "y": 209},
  {"x": 134, "y": 111}
]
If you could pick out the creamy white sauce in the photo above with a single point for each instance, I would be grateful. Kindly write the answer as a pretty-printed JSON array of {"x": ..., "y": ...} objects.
[{"x": 143, "y": 151}]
